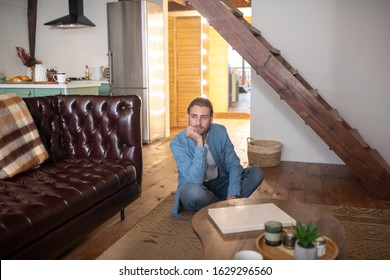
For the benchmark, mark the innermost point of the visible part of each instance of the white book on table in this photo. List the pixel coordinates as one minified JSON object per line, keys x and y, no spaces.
{"x":242,"y":218}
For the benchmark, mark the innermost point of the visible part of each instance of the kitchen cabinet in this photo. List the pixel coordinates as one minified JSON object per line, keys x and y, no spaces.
{"x":83,"y":91}
{"x":22,"y":92}
{"x":104,"y":88}
{"x":48,"y":91}
{"x":32,"y":90}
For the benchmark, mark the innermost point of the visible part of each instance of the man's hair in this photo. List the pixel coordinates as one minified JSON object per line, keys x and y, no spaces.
{"x":203,"y":102}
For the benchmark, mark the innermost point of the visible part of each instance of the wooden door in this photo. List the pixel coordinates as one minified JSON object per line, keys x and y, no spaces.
{"x":185,"y":66}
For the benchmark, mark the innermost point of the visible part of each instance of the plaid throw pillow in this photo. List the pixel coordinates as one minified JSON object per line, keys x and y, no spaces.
{"x":20,"y":145}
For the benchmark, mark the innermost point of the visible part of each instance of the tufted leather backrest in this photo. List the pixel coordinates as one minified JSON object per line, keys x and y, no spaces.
{"x":44,"y":111}
{"x":82,"y":126}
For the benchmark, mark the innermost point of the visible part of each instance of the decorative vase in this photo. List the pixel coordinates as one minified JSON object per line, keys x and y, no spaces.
{"x":302,"y":253}
{"x":39,"y":73}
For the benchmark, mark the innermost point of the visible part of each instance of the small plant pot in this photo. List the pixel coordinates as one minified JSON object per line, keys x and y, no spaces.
{"x":302,"y":253}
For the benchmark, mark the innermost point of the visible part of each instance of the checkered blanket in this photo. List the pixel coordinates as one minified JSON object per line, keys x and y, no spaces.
{"x":20,"y":145}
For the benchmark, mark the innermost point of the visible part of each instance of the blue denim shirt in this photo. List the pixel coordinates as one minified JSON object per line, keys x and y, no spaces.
{"x":191,"y":161}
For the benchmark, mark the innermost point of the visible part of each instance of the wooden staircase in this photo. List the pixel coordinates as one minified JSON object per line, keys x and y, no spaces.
{"x":268,"y":62}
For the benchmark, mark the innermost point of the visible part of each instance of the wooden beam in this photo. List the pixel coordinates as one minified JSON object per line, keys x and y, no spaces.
{"x":32,"y":25}
{"x":180,"y":2}
{"x":177,"y":5}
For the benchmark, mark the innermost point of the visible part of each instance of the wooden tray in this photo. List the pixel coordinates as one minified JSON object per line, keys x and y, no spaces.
{"x":18,"y":82}
{"x":46,"y":83}
{"x":282,"y":253}
{"x":31,"y":82}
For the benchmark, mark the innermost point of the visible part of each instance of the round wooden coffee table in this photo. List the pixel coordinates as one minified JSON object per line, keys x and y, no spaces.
{"x":219,"y":246}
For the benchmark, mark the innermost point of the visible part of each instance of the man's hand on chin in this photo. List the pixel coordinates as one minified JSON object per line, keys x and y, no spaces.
{"x":192,"y":134}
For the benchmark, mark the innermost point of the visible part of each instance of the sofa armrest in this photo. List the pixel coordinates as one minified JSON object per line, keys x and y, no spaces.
{"x":102,"y":127}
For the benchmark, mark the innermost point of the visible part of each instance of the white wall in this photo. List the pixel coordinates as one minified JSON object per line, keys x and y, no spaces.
{"x":68,"y":50}
{"x":342,"y":49}
{"x":13,"y":33}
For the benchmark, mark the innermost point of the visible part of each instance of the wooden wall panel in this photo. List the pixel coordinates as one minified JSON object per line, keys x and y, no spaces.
{"x":188,"y":90}
{"x":172,"y":72}
{"x":218,"y":71}
{"x":187,"y":70}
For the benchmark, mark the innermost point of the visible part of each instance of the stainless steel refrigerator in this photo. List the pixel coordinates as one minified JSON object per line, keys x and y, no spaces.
{"x":136,"y":59}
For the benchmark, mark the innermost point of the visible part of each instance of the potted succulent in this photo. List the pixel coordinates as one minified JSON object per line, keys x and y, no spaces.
{"x":304,"y":246}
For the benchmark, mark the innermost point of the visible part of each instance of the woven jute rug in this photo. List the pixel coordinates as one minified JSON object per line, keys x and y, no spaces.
{"x":158,"y":236}
{"x":368,"y":231}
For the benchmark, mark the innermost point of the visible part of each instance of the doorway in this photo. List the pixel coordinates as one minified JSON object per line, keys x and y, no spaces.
{"x":239,"y":83}
{"x":201,"y":62}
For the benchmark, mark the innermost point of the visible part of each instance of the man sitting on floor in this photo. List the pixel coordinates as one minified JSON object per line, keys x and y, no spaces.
{"x":209,"y":168}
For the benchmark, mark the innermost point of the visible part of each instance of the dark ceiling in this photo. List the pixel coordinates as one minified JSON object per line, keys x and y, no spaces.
{"x":182,"y":5}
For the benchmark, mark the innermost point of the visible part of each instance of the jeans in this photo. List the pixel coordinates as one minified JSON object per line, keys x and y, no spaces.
{"x":195,"y":196}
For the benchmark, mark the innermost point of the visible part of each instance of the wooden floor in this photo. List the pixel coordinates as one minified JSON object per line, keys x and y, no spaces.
{"x":306,"y":182}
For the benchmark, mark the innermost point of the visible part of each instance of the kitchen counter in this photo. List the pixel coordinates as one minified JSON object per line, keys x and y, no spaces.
{"x":52,"y":88}
{"x":73,"y":84}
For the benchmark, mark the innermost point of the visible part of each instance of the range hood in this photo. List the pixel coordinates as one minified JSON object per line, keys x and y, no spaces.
{"x":75,"y":19}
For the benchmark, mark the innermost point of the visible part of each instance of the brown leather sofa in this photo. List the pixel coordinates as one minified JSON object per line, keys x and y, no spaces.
{"x":94,"y":170}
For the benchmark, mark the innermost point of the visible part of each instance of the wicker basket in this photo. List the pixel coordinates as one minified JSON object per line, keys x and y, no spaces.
{"x":264,"y":153}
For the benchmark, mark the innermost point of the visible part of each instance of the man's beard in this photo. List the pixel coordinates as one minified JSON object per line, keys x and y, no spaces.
{"x":201,"y":130}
